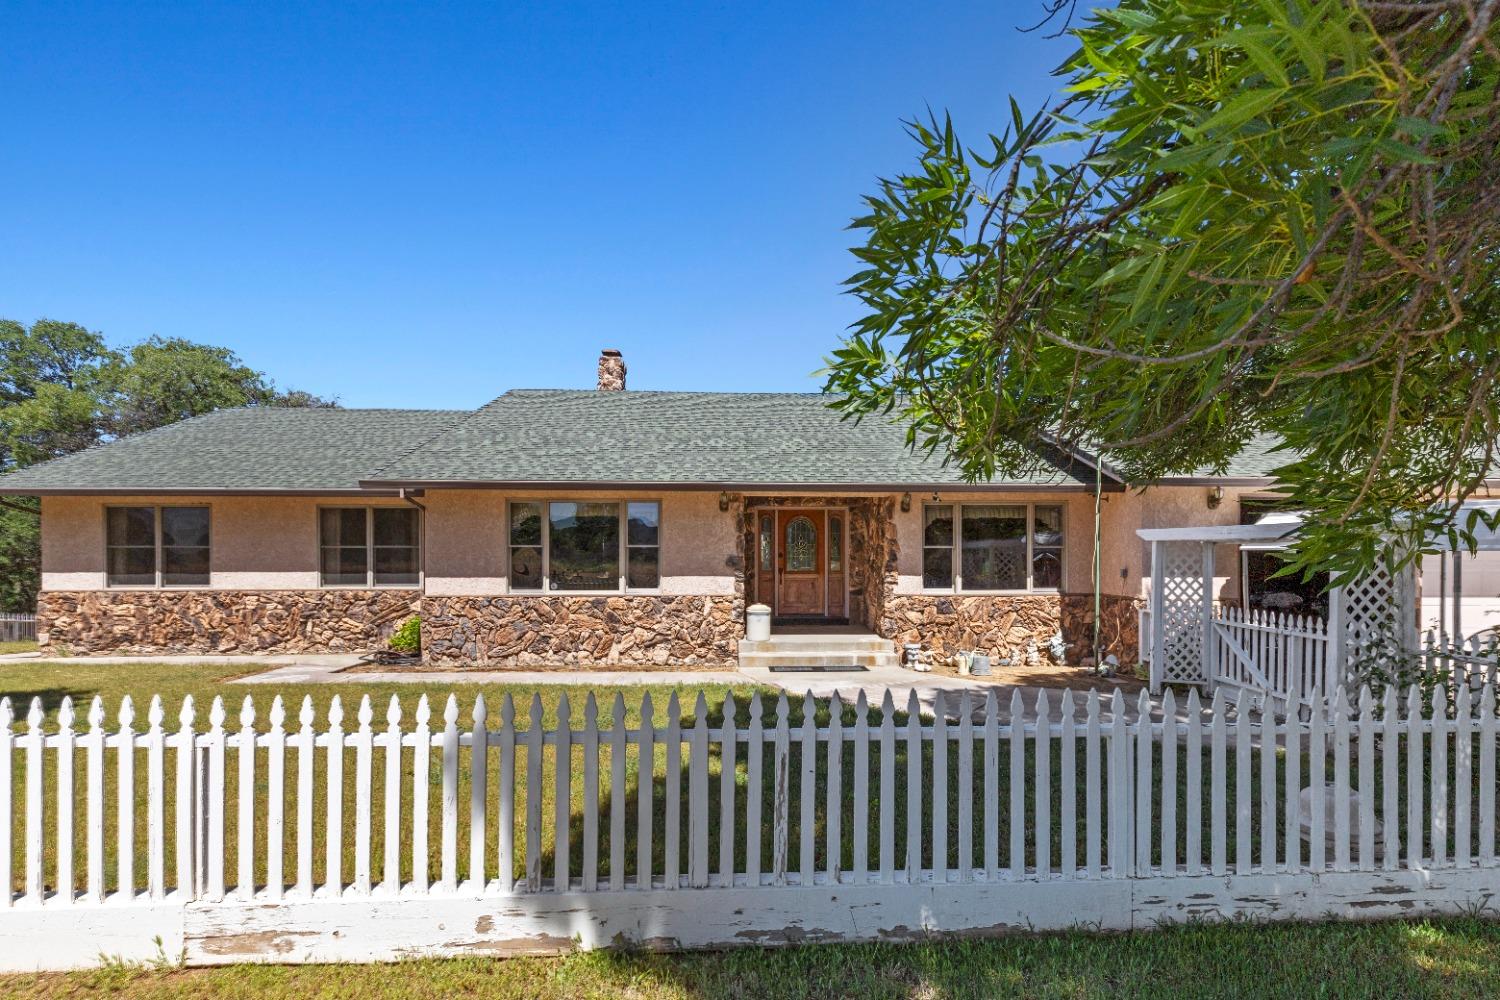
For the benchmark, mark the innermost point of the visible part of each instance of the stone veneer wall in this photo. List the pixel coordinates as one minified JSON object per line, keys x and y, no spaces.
{"x":1002,"y":624}
{"x":551,"y":630}
{"x":872,"y":559}
{"x":220,"y":621}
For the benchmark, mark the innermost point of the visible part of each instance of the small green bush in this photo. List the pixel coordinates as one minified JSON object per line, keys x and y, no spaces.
{"x":408,"y":638}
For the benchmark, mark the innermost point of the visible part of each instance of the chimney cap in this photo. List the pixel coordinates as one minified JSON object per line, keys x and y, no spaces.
{"x":610,"y":352}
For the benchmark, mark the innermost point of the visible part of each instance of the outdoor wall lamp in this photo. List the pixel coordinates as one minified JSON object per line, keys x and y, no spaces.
{"x":905,"y":502}
{"x":935,"y":497}
{"x":723,"y":502}
{"x":1215,"y":496}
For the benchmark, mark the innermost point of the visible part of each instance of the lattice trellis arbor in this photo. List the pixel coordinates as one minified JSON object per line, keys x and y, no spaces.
{"x":1183,"y":602}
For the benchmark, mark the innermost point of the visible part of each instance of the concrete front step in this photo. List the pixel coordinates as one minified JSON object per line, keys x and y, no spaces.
{"x":820,"y":650}
{"x":843,"y":659}
{"x":819,"y":644}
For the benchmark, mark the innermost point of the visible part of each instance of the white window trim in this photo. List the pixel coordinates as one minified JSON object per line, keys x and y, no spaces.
{"x":370,"y":583}
{"x":623,"y":559}
{"x":957,"y":550}
{"x":156,"y":510}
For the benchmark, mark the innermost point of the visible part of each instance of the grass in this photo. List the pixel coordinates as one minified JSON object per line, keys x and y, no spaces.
{"x":1457,"y":958}
{"x":18,"y":646}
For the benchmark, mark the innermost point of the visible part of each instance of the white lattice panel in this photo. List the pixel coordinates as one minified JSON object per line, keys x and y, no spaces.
{"x":1182,"y":613}
{"x":1377,"y":611}
{"x":1369,"y":604}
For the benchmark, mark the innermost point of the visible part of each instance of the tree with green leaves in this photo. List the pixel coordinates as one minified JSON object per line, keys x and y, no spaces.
{"x":1262,"y":217}
{"x":63,"y":389}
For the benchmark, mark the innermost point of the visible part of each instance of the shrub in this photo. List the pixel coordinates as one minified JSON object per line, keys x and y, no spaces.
{"x":408,"y":638}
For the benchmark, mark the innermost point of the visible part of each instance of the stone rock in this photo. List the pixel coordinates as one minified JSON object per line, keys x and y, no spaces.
{"x":221,"y":621}
{"x":552,"y":630}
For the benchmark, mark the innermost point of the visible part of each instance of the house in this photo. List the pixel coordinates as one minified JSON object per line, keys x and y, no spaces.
{"x":607,"y":526}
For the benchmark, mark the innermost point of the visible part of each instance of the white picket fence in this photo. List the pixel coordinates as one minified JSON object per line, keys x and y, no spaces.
{"x":1267,"y":651}
{"x":17,"y":628}
{"x":1471,"y":663}
{"x":1285,"y":655}
{"x":317,"y":843}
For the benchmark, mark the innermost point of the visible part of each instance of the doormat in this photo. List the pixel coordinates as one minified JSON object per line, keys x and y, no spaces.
{"x":849,"y":668}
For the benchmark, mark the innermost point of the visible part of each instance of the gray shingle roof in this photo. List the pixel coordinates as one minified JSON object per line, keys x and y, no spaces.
{"x":533,"y":436}
{"x":257,"y":448}
{"x":720,"y":438}
{"x":1257,"y":460}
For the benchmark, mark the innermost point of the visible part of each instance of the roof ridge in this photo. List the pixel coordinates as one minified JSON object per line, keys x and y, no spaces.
{"x":460,"y":417}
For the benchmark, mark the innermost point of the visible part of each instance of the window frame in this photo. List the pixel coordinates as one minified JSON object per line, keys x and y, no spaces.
{"x":156,"y":547}
{"x":622,"y":560}
{"x":956,"y":549}
{"x":370,"y":583}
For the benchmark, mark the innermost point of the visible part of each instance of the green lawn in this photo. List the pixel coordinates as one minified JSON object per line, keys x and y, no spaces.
{"x":18,"y":646}
{"x":1459,"y":958}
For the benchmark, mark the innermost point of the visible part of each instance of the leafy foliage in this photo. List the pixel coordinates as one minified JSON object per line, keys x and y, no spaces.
{"x":1242,"y":219}
{"x":408,"y":637}
{"x":63,"y":389}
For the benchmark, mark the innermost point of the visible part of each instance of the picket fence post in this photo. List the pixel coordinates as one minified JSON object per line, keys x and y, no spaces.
{"x":7,"y":715}
{"x":64,"y":827}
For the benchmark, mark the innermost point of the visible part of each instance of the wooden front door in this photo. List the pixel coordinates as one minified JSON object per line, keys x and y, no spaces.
{"x":801,"y":586}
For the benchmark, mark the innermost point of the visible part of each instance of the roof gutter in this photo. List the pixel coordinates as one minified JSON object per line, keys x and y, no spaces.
{"x":740,"y":487}
{"x":197,"y":491}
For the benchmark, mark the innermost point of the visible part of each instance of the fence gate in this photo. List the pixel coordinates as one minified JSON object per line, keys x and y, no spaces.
{"x":1194,"y":642}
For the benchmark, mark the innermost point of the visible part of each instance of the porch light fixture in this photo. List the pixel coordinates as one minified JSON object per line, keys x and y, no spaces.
{"x":905,"y":502}
{"x":1215,"y":497}
{"x":723,"y":502}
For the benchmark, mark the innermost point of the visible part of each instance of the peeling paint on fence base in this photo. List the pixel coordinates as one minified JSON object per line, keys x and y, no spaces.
{"x":368,"y":929}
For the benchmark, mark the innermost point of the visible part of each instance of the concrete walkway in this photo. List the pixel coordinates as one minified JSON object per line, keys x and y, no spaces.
{"x":875,"y":682}
{"x":320,"y":661}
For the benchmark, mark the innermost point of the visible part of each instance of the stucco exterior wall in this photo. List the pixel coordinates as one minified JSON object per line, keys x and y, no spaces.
{"x":271,"y":543}
{"x":1078,"y":534}
{"x":468,"y":552}
{"x":256,"y":543}
{"x":1125,"y":559}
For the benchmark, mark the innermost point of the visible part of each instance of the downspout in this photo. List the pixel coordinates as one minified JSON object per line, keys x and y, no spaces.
{"x":422,"y":536}
{"x":1098,"y":574}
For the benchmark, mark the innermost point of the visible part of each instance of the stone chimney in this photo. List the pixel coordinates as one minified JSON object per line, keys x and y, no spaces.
{"x":611,"y":371}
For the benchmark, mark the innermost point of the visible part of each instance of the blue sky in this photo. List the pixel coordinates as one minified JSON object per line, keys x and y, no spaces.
{"x":428,"y":204}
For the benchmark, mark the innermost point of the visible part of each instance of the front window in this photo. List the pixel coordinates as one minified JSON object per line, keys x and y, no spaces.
{"x":992,"y":547}
{"x":583,"y":552}
{"x":588,"y":546}
{"x":369,"y":546}
{"x":157,"y":547}
{"x":643,"y":545}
